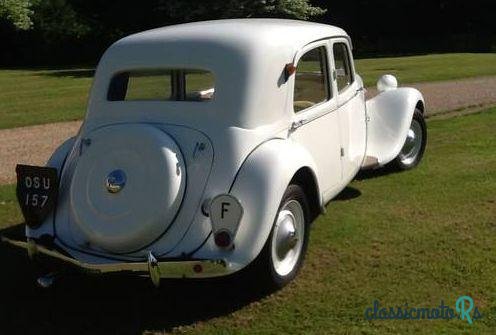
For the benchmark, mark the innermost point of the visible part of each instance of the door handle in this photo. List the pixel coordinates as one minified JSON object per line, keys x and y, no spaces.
{"x":361,"y":89}
{"x":297,"y":124}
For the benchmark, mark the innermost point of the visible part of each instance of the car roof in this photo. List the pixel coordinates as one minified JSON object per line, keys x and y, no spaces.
{"x":293,"y":33}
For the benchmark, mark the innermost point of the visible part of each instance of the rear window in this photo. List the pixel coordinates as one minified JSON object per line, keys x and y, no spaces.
{"x":162,"y":85}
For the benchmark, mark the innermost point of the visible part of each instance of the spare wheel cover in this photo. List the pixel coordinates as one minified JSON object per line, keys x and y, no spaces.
{"x":127,"y":187}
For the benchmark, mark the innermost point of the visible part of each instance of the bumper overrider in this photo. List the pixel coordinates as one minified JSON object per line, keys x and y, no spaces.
{"x":152,"y":268}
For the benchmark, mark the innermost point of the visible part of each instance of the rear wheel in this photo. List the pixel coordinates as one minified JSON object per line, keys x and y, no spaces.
{"x":413,"y":150}
{"x":285,"y":249}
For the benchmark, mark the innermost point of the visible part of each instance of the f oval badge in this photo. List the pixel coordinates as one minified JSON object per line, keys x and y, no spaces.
{"x":225,"y":213}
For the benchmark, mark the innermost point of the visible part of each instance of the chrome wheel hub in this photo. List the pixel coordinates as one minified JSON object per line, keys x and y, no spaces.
{"x":413,"y":144}
{"x":287,"y":238}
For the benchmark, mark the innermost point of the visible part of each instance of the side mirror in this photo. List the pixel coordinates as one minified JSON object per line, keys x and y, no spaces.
{"x":386,"y":83}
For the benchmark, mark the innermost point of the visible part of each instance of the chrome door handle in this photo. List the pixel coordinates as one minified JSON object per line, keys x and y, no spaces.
{"x":297,"y":124}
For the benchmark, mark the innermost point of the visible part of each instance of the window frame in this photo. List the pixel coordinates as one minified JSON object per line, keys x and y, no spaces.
{"x":351,"y":65}
{"x":324,"y":44}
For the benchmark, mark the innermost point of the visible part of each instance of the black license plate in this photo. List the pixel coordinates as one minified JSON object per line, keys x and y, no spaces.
{"x":37,"y":189}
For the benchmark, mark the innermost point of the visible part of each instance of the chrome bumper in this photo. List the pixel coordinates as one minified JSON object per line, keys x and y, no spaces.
{"x":153,"y":268}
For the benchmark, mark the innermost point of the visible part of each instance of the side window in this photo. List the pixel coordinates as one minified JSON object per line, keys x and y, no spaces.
{"x":311,"y":80}
{"x":344,"y":75}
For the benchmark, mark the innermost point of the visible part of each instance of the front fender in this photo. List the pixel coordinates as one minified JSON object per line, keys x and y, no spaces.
{"x":390,"y":115}
{"x":259,"y":186}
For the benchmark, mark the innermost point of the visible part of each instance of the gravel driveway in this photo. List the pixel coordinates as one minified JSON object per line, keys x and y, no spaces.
{"x":447,"y":96}
{"x":33,"y":145}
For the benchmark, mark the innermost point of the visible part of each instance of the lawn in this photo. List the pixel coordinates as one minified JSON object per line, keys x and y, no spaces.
{"x":35,"y":96}
{"x":428,"y":68}
{"x":418,"y":237}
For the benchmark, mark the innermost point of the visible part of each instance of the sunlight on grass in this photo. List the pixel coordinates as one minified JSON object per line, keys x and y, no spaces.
{"x":427,"y":68}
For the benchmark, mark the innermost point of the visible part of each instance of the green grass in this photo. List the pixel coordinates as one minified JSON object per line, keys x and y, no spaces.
{"x":428,"y":68}
{"x":30,"y":97}
{"x":416,"y":237}
{"x":9,"y":210}
{"x":33,"y":96}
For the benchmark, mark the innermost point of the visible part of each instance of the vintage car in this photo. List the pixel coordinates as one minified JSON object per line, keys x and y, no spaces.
{"x":210,"y":147}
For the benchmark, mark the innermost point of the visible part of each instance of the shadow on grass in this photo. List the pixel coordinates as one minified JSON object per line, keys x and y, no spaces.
{"x":76,"y":73}
{"x":348,"y":193}
{"x":374,"y":173}
{"x":84,"y":304}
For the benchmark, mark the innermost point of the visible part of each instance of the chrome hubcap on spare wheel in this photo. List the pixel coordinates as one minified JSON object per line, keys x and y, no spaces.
{"x":287,"y":239}
{"x":413,"y":144}
{"x":115,"y":181}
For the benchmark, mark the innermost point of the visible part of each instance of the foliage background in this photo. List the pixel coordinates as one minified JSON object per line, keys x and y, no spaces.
{"x":46,"y":32}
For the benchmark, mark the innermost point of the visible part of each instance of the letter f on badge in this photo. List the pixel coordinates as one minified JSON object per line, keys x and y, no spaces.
{"x":224,"y":208}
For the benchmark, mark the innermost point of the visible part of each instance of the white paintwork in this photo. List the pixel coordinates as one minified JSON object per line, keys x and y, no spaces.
{"x":320,"y":124}
{"x":390,"y":116}
{"x":259,"y":187}
{"x":387,"y":82}
{"x":124,"y":222}
{"x":246,"y":142}
{"x":352,"y":119}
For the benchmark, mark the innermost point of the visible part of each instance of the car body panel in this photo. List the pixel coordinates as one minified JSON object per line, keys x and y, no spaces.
{"x":390,"y":115}
{"x":254,"y":141}
{"x":259,"y":186}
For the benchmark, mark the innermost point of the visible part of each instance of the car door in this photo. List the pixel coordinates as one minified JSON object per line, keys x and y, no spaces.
{"x":315,"y":119}
{"x":351,"y":108}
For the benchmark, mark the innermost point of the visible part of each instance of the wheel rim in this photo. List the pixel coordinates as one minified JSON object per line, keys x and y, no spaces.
{"x":287,"y":238}
{"x":413,"y":144}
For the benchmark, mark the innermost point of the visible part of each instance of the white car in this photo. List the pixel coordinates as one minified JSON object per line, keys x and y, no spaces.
{"x":211,"y":146}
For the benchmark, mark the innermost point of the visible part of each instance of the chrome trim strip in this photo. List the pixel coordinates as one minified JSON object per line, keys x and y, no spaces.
{"x":303,"y":121}
{"x":152,"y":268}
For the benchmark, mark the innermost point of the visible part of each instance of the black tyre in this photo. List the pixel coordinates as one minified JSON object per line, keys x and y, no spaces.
{"x":285,"y":249}
{"x":413,"y":150}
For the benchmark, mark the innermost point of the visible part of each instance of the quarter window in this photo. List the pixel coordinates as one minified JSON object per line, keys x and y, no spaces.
{"x":162,"y":85}
{"x":311,"y":81}
{"x":344,"y":75}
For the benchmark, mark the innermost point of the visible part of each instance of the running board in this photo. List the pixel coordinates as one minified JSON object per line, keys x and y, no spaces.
{"x":370,"y":162}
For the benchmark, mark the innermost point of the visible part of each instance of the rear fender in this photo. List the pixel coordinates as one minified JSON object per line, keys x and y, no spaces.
{"x":390,"y":115}
{"x":56,"y":161}
{"x":259,"y":187}
{"x":60,"y":154}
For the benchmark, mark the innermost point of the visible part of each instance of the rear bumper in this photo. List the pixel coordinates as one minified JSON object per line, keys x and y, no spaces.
{"x":152,"y":268}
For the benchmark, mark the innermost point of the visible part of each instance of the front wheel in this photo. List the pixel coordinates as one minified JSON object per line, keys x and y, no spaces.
{"x":285,"y":249}
{"x":413,"y":150}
